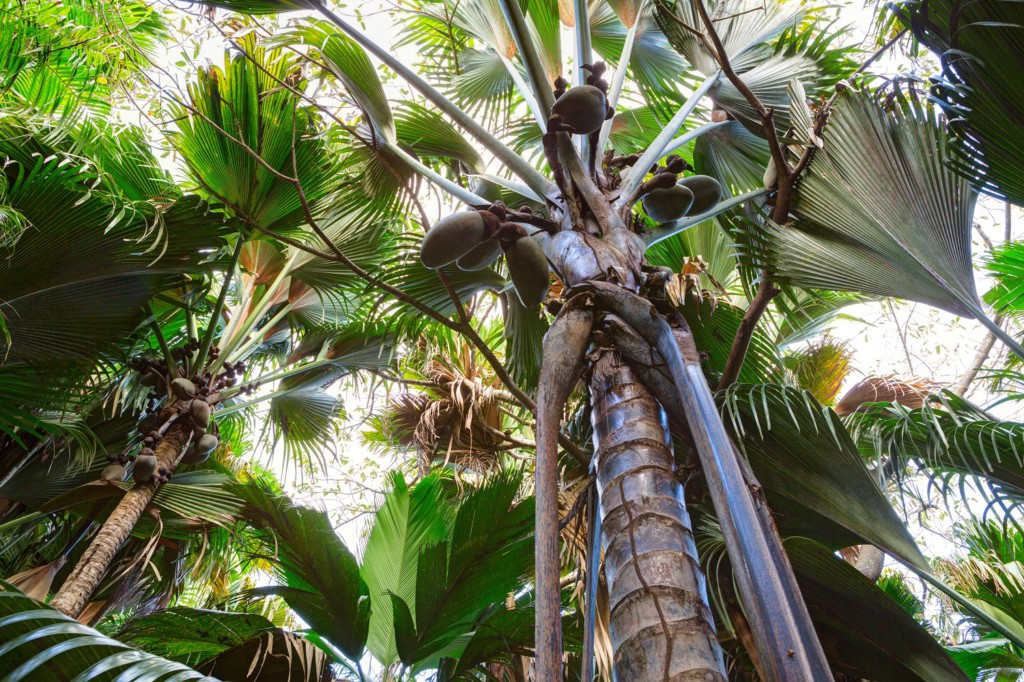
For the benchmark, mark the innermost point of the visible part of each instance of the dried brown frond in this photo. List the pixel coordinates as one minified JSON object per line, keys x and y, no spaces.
{"x":911,"y":393}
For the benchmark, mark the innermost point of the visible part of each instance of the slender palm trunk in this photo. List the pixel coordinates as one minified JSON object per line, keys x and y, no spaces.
{"x":79,"y":586}
{"x":661,"y":624}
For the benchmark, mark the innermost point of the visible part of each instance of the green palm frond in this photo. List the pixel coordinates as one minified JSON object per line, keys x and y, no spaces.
{"x":524,"y":331}
{"x":487,"y":555}
{"x":83,"y":251}
{"x":981,"y":48}
{"x":37,"y":638}
{"x":410,"y":520}
{"x":714,"y":326}
{"x":1006,"y":263}
{"x":734,"y":155}
{"x":263,"y":119}
{"x":319,"y":576}
{"x":807,"y":462}
{"x":865,"y":632}
{"x":191,"y":636}
{"x":949,"y":437}
{"x":879,"y":212}
{"x":654,"y":67}
{"x":55,"y":57}
{"x":349,"y":63}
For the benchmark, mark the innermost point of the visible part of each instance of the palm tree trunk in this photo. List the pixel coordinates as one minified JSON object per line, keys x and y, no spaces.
{"x":661,"y":624}
{"x":79,"y":586}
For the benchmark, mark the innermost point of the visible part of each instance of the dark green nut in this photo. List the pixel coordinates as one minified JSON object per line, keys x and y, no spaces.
{"x":528,"y":267}
{"x":192,"y":456}
{"x":666,"y":205}
{"x":481,"y":256}
{"x":451,"y":238}
{"x":583,"y":107}
{"x":200,"y":410}
{"x":707,"y":192}
{"x":207,"y":443}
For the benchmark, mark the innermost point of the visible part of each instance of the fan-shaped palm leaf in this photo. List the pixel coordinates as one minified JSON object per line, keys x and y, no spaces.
{"x":981,"y":47}
{"x":37,"y":638}
{"x":881,"y":213}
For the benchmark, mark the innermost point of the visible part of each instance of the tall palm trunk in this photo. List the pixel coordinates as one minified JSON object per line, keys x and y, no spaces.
{"x":79,"y":586}
{"x":661,"y":624}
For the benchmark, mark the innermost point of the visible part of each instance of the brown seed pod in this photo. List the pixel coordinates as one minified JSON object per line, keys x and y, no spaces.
{"x":112,"y":472}
{"x":528,"y":267}
{"x":706,"y":192}
{"x":150,"y":423}
{"x":183,"y":388}
{"x":451,"y":238}
{"x":144,"y":468}
{"x":480,"y":256}
{"x":192,"y":456}
{"x":208,"y":443}
{"x":200,"y":410}
{"x":583,"y":107}
{"x":666,"y":205}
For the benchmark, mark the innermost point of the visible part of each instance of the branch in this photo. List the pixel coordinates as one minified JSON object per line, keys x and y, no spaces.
{"x":766,"y":291}
{"x":767,"y":117}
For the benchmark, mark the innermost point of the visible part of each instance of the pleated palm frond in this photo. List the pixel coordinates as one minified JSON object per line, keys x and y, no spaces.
{"x":864,"y":632}
{"x":809,"y":464}
{"x":46,"y":80}
{"x":1006,"y":263}
{"x":990,"y":570}
{"x":318,"y":576}
{"x":40,"y":643}
{"x":733,"y":155}
{"x":84,"y":251}
{"x":981,"y":48}
{"x":768,"y":45}
{"x":524,"y":331}
{"x":880,"y":212}
{"x":952,"y":439}
{"x":240,"y":123}
{"x":714,"y":324}
{"x":448,"y":569}
{"x":805,"y":313}
{"x":655,"y":68}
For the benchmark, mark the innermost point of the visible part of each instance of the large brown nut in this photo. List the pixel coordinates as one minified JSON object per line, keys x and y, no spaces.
{"x":583,"y":107}
{"x":451,"y":238}
{"x":666,"y":205}
{"x":528,"y":267}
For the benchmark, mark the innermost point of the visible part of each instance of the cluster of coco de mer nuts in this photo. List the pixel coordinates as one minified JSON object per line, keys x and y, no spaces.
{"x":474,"y":239}
{"x":189,"y":400}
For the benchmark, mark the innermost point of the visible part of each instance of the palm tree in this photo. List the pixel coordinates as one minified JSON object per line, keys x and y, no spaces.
{"x":438,"y":587}
{"x":315,"y":196}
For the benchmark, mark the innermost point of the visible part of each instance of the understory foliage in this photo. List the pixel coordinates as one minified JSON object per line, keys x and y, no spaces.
{"x":233,"y":194}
